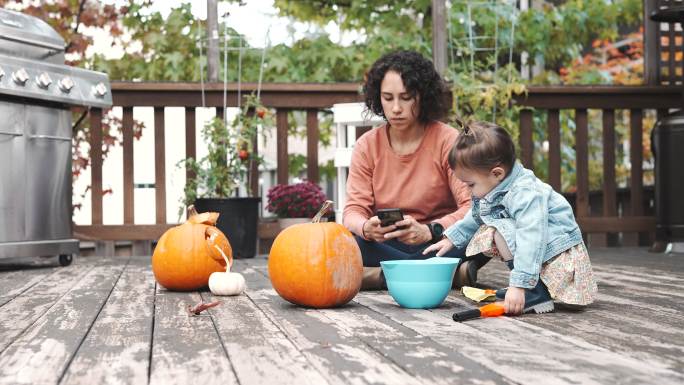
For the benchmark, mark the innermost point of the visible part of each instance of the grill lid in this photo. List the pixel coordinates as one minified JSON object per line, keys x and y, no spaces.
{"x":29,"y":37}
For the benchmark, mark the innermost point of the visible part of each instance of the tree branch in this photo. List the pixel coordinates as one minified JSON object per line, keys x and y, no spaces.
{"x":74,"y":128}
{"x":81,"y":6}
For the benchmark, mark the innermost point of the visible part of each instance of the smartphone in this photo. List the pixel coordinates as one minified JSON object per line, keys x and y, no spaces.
{"x":389,"y":216}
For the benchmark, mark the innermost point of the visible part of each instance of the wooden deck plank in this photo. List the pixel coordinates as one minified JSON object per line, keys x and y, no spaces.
{"x":14,"y":283}
{"x":23,"y":311}
{"x":423,"y":358}
{"x":340,"y":356}
{"x":633,"y":315}
{"x":44,"y":351}
{"x":651,"y":291}
{"x":597,"y":363}
{"x":259,"y":352}
{"x":185,"y":349}
{"x":521,"y":352}
{"x":92,"y":322}
{"x":117,"y":348}
{"x":650,"y":295}
{"x":518,"y":364}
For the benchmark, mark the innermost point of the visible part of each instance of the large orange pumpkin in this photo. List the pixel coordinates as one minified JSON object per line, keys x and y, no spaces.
{"x":186,"y":255}
{"x":316,"y":264}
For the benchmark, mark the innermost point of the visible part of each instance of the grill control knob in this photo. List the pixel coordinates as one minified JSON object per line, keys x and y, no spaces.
{"x":44,"y":80}
{"x":65,"y":84}
{"x":2,"y":73}
{"x":100,"y":90}
{"x":20,"y":76}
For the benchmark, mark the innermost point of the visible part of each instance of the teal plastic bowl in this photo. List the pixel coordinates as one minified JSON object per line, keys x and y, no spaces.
{"x":420,"y":284}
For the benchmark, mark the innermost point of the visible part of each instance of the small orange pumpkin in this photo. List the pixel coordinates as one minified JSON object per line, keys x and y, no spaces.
{"x":316,"y":264}
{"x":187,"y":254}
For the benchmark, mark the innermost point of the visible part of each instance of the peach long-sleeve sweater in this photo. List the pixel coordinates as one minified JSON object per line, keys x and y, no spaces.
{"x":420,"y":183}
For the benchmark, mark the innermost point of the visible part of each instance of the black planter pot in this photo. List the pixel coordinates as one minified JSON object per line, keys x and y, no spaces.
{"x":237,"y":220}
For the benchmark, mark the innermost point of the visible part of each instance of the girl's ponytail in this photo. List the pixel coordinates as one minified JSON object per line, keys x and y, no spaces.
{"x":482,"y":145}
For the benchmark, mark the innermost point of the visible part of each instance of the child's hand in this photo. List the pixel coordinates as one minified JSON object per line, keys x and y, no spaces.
{"x":515,"y":300}
{"x":442,"y":247}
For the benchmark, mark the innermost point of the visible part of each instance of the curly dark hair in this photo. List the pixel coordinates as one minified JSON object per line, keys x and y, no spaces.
{"x":420,"y":79}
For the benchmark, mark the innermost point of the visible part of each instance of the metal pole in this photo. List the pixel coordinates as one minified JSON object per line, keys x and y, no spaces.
{"x":225,"y":71}
{"x":524,"y":56}
{"x":496,"y":55}
{"x":239,"y":91}
{"x":471,"y":44}
{"x":439,"y":35}
{"x":212,"y":37}
{"x":201,"y":70}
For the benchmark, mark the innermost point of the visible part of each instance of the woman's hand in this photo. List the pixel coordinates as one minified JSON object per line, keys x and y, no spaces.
{"x":515,"y":300}
{"x":410,"y":231}
{"x":373,"y":231}
{"x":442,"y":247}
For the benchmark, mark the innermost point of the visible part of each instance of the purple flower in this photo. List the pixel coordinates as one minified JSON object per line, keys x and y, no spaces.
{"x":296,"y":200}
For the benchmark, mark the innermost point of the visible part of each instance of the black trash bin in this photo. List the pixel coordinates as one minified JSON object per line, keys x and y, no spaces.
{"x":667,"y":144}
{"x":238,"y":220}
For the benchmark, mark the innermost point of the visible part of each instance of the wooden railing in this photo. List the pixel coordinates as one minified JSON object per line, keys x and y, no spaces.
{"x":313,"y":97}
{"x":282,"y":97}
{"x":608,"y":99}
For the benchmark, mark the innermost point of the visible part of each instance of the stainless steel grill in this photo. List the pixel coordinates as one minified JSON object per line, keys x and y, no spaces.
{"x":36,"y":93}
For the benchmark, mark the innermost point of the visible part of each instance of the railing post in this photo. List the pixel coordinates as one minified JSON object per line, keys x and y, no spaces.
{"x":582,"y":162}
{"x":96,"y":165}
{"x":609,"y":185}
{"x":254,"y":168}
{"x":636,"y":159}
{"x":128,"y":191}
{"x":312,"y":136}
{"x":553,"y":119}
{"x":281,"y":139}
{"x":159,"y":165}
{"x":526,"y":143}
{"x":190,"y":140}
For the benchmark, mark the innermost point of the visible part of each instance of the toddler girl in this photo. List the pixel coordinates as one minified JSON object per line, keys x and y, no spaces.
{"x":521,"y":220}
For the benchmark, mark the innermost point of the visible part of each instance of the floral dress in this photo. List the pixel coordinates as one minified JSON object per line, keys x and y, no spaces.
{"x":568,"y":275}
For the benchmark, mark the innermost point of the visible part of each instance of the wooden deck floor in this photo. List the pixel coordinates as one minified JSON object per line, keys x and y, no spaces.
{"x":104,"y":321}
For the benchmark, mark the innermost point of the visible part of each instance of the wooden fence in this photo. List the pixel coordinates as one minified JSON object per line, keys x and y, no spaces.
{"x":313,"y":97}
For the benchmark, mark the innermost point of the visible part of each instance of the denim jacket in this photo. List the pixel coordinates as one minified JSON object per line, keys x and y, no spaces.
{"x":536,"y":222}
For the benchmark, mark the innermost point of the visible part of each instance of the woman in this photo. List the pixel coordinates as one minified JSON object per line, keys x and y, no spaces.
{"x":404,"y":164}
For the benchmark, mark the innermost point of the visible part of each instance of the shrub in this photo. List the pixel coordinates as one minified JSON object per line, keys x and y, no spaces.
{"x":300,"y":200}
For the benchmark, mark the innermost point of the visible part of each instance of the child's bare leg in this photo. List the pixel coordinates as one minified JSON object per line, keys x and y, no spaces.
{"x":501,"y":245}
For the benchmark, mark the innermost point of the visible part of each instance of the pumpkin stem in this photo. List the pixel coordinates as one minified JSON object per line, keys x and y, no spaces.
{"x":192,"y":211}
{"x":224,"y":257}
{"x":326,"y":205}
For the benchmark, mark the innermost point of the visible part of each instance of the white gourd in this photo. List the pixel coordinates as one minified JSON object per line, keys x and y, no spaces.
{"x":226,"y":283}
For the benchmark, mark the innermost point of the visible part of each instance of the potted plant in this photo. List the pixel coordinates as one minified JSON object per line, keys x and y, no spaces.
{"x":217,"y":178}
{"x":295,"y":203}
